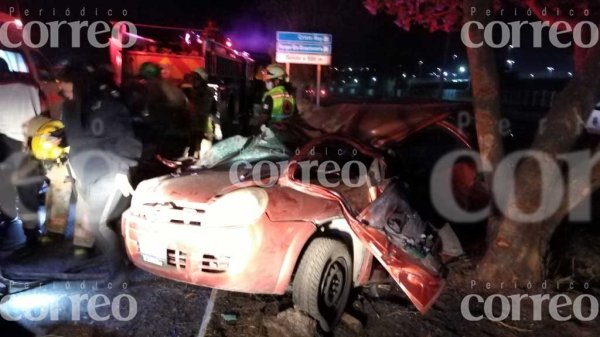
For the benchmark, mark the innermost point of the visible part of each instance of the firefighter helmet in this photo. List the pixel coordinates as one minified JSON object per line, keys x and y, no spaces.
{"x":272,"y":71}
{"x":48,"y":141}
{"x":150,"y":70}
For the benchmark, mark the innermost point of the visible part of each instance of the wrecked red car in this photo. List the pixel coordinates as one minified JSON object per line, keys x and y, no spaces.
{"x":262,"y":230}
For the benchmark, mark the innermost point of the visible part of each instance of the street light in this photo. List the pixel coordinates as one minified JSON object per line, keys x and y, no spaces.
{"x":374,"y":79}
{"x":420,"y":65}
{"x":550,"y":70}
{"x":462,"y":69}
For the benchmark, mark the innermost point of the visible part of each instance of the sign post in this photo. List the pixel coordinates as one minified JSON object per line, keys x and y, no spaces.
{"x":305,"y":48}
{"x":318,"y":86}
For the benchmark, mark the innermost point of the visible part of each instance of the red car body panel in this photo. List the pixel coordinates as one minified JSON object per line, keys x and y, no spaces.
{"x":261,"y":258}
{"x":421,"y":286}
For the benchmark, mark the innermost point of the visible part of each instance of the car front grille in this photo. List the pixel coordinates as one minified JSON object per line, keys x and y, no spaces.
{"x":215,"y":264}
{"x":176,"y":258}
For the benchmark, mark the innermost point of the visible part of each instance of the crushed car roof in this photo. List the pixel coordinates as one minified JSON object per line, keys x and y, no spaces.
{"x":379,"y":124}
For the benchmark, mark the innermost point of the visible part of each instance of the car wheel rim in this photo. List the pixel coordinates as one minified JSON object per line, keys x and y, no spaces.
{"x":333,"y":283}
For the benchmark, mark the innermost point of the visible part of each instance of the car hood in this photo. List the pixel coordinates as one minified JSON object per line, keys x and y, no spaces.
{"x":196,"y":187}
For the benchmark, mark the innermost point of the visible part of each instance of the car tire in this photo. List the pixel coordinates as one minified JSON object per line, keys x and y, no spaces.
{"x":322,"y":282}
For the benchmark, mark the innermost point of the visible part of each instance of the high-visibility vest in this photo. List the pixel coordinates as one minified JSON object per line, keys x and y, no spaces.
{"x":284,"y":104}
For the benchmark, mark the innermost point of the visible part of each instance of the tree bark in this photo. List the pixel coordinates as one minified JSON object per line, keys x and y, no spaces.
{"x":486,"y":99}
{"x":485,"y":88}
{"x":518,"y":250}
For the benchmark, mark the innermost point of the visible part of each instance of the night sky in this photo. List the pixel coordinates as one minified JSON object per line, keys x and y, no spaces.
{"x":360,"y":39}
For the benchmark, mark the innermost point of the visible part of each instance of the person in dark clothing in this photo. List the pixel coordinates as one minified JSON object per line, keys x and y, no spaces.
{"x":103,"y":149}
{"x":167,"y":108}
{"x":205,"y":123}
{"x":20,"y":102}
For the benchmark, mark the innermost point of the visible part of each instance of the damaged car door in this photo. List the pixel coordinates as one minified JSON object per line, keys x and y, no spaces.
{"x":369,"y":204}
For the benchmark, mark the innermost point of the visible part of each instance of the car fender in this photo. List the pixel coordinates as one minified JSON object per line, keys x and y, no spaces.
{"x":361,"y":258}
{"x":303,"y":231}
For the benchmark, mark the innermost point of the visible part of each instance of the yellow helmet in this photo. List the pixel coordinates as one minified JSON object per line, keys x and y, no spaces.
{"x":46,"y":144}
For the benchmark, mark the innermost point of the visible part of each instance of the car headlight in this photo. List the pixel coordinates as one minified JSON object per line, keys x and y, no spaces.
{"x":238,"y":208}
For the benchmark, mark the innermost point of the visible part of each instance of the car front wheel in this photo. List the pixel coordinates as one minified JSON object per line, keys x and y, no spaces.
{"x":322,"y":282}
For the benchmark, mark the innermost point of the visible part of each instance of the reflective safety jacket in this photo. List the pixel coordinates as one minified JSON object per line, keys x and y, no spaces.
{"x":278,"y":103}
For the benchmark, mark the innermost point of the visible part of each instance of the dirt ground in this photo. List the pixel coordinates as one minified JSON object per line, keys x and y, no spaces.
{"x":243,"y":315}
{"x":386,"y":312}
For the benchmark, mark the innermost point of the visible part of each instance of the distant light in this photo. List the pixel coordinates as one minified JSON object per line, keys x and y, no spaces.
{"x":420,"y":62}
{"x":510,"y":46}
{"x":445,"y":73}
{"x":531,"y":75}
{"x":570,"y":74}
{"x":413,"y":76}
{"x":344,"y":81}
{"x":188,"y":38}
{"x":374,"y":79}
{"x":356,"y":80}
{"x":462,"y":69}
{"x":245,"y":54}
{"x":454,"y":74}
{"x":229,"y":43}
{"x":323,"y":92}
{"x":18,"y":23}
{"x":511,"y":62}
{"x":404,"y":75}
{"x":439,"y":70}
{"x":350,"y":69}
{"x":454,"y":56}
{"x":550,"y":69}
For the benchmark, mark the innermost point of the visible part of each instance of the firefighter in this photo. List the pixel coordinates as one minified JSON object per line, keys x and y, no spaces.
{"x":278,"y":103}
{"x":49,"y":146}
{"x":168,"y":109}
{"x":103,"y":149}
{"x":205,"y":121}
{"x":20,"y":103}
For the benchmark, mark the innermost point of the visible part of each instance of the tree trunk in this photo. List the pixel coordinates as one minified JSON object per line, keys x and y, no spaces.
{"x":518,"y":250}
{"x":486,"y":99}
{"x":485,"y":89}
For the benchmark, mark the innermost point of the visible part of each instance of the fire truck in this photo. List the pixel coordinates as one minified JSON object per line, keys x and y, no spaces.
{"x":181,"y":50}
